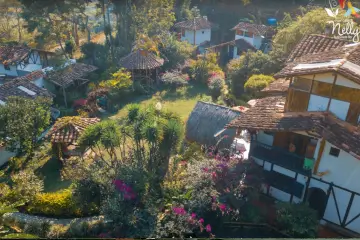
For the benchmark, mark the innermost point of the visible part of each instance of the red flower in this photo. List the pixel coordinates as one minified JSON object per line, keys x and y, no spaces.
{"x":193,"y":215}
{"x":201,"y":220}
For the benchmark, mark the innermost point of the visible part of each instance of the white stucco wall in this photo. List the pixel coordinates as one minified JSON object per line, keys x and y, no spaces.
{"x":201,"y":36}
{"x":344,"y":171}
{"x":41,"y":82}
{"x":329,"y":78}
{"x":11,"y":72}
{"x":256,"y":41}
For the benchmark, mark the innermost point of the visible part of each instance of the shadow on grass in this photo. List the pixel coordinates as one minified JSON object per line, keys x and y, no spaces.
{"x":193,"y":90}
{"x":51,"y":171}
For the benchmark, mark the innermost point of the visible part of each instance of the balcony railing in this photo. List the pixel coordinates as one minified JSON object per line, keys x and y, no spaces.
{"x":280,"y":157}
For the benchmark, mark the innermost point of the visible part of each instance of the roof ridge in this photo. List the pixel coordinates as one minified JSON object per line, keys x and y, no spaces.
{"x":211,"y":103}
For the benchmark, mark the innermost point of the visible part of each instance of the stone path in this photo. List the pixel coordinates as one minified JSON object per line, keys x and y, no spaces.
{"x":31,"y":218}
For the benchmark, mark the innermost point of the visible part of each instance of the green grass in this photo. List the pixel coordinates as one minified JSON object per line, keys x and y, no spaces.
{"x":52,"y":176}
{"x":182,"y":101}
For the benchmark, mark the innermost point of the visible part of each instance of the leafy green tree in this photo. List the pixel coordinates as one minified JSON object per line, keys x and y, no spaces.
{"x":22,"y":121}
{"x":96,"y":54}
{"x":292,"y":31}
{"x":257,"y":82}
{"x":239,"y":70}
{"x":153,"y":17}
{"x":175,"y":51}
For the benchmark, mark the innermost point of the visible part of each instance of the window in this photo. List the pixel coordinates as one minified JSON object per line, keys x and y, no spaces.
{"x":246,"y":34}
{"x":203,"y":32}
{"x":334,"y":152}
{"x":239,"y":32}
{"x":7,"y":67}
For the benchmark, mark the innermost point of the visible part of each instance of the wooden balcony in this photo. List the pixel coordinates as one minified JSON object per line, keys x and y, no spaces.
{"x":280,"y":157}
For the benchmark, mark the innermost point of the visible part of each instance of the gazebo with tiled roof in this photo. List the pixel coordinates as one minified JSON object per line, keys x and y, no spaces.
{"x":67,"y":131}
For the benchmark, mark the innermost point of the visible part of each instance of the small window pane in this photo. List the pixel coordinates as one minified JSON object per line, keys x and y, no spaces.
{"x":301,"y":83}
{"x":246,"y":34}
{"x":334,"y":152}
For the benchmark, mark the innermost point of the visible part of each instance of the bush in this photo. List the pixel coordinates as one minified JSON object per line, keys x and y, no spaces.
{"x":297,"y":220}
{"x":203,"y":67}
{"x":87,"y":195}
{"x":37,"y":228}
{"x":175,"y":79}
{"x":58,"y":204}
{"x":257,"y":82}
{"x":239,"y":70}
{"x":216,"y":86}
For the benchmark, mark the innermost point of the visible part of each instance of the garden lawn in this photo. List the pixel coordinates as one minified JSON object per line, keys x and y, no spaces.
{"x":182,"y":101}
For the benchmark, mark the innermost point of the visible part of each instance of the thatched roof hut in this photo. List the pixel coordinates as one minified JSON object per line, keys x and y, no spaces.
{"x":206,"y":124}
{"x":141,"y":60}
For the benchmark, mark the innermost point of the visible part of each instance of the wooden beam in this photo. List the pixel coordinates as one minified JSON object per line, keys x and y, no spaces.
{"x":320,"y":153}
{"x":331,"y":93}
{"x":64,"y":93}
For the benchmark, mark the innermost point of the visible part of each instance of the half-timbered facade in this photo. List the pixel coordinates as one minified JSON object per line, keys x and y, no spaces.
{"x":308,"y":141}
{"x":20,"y":60}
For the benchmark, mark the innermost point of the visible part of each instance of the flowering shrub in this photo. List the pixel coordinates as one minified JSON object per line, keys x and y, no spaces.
{"x":179,"y":223}
{"x":130,"y":203}
{"x":202,"y":68}
{"x":216,"y":85}
{"x":216,"y":184}
{"x":175,"y":79}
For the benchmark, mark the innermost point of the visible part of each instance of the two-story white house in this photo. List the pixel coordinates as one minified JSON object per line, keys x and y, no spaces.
{"x":308,"y":142}
{"x":195,"y":31}
{"x":18,"y":61}
{"x":255,"y":34}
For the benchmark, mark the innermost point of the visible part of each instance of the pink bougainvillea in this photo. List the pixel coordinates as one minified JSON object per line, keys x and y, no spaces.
{"x":179,"y":210}
{"x":208,"y":228}
{"x":126,"y":190}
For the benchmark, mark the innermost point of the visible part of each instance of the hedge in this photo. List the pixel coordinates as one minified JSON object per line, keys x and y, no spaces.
{"x":58,"y":204}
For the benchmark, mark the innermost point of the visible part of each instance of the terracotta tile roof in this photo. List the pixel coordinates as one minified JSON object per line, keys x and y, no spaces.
{"x":140,"y":59}
{"x":280,"y":85}
{"x":254,"y":28}
{"x":315,"y":44}
{"x":69,"y":129}
{"x":195,"y":24}
{"x":13,"y":54}
{"x":33,"y":75}
{"x":344,"y":60}
{"x":11,"y":88}
{"x":268,"y":115}
{"x":67,"y":76}
{"x":241,"y":44}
